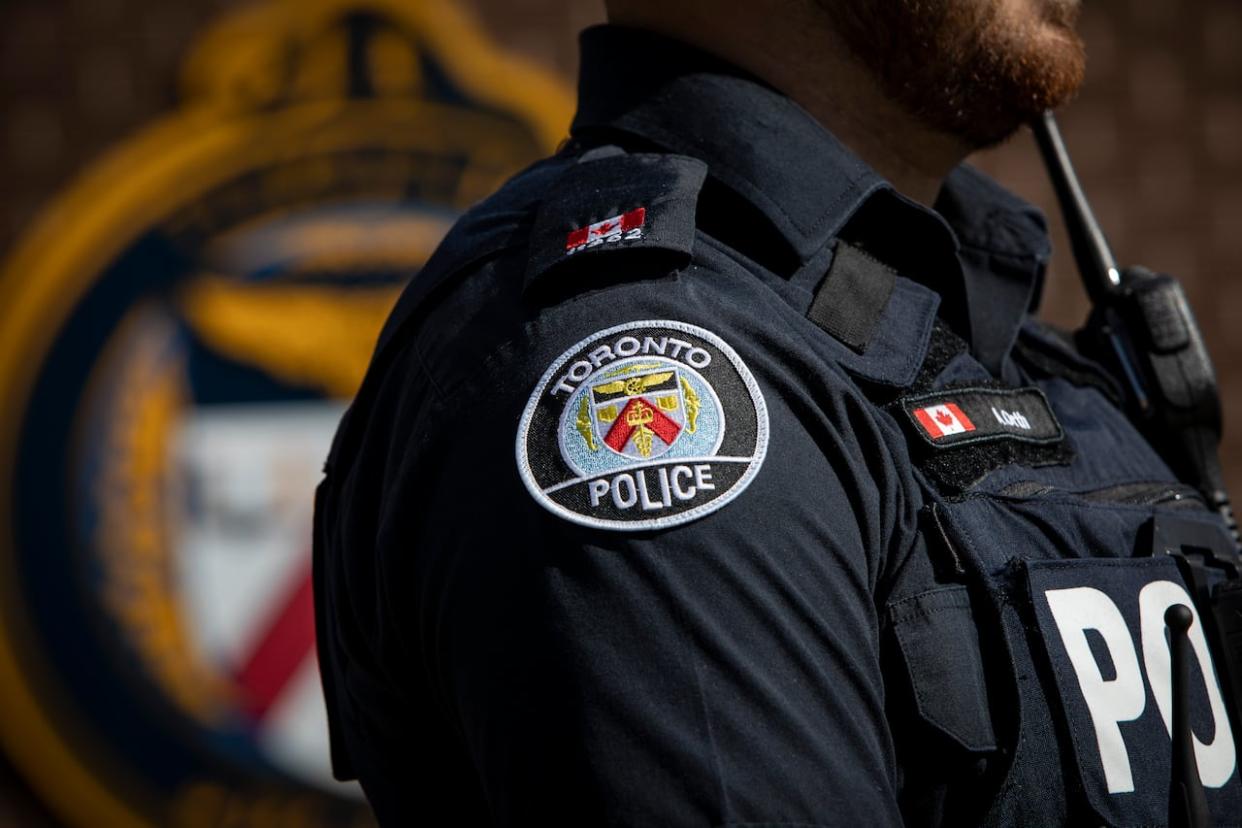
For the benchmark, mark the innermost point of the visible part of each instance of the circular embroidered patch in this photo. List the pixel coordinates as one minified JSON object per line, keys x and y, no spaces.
{"x":643,"y":426}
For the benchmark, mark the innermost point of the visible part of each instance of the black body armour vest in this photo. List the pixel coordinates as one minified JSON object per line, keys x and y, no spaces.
{"x":1045,"y":659}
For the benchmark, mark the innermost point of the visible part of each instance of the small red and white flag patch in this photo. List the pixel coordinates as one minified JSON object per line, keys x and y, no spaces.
{"x":942,"y":420}
{"x":625,"y":227}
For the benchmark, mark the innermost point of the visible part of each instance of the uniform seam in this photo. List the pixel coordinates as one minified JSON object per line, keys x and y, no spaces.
{"x":744,"y":263}
{"x":711,"y":736}
{"x":437,"y":390}
{"x":689,"y":641}
{"x":895,"y":608}
{"x":1010,"y":255}
{"x":1068,"y":499}
{"x":502,"y":349}
{"x":853,"y":189}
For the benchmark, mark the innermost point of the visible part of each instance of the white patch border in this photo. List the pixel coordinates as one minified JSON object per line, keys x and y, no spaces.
{"x":756,"y":459}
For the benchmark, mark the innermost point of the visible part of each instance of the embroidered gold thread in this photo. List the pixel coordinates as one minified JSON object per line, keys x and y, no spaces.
{"x":583,"y":424}
{"x":633,"y":386}
{"x":631,"y":369}
{"x":692,"y":407}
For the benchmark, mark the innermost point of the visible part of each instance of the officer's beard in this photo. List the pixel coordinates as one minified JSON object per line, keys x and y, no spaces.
{"x":976,"y":69}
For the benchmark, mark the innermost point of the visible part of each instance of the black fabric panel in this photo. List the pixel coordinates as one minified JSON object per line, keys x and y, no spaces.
{"x":939,"y":641}
{"x":1046,"y":360}
{"x":944,"y":346}
{"x":956,"y":470}
{"x":853,"y":296}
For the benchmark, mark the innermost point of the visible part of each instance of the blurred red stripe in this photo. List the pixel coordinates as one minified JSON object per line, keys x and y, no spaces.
{"x":288,"y":641}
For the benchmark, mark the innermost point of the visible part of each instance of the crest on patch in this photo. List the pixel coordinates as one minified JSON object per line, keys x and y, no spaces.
{"x":643,"y":426}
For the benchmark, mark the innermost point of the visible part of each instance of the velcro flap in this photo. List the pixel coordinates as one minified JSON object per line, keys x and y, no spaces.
{"x":939,"y":641}
{"x":851,"y":300}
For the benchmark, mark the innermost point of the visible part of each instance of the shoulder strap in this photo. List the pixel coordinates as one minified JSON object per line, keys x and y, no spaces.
{"x":611,"y":201}
{"x":1045,"y":351}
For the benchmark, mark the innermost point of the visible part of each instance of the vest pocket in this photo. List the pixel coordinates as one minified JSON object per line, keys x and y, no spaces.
{"x":938,"y":638}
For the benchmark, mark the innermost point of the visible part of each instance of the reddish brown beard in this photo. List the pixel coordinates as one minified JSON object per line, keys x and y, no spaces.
{"x":961,"y":66}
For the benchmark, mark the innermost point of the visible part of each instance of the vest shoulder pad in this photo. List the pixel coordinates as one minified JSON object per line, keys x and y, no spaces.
{"x":1050,"y":352}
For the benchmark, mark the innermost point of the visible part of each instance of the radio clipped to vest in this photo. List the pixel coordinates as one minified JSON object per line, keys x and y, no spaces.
{"x":1142,"y":328}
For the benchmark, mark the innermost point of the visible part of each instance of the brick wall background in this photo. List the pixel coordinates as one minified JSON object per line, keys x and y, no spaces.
{"x":1156,"y":135}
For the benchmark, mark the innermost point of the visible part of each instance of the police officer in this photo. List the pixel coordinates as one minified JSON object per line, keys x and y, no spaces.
{"x":715,"y":472}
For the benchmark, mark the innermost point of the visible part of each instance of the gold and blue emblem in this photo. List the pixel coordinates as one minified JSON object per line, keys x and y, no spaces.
{"x":643,"y":426}
{"x":640,"y":410}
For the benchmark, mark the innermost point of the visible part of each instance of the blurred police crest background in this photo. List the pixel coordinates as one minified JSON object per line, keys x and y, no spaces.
{"x":208,"y":209}
{"x":185,"y":325}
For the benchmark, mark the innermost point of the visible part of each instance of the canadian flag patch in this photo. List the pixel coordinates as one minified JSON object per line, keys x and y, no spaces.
{"x":940,"y":421}
{"x":956,"y":416}
{"x":625,"y":227}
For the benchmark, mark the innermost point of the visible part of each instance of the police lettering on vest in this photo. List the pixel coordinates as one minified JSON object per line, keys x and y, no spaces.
{"x":1104,"y":629}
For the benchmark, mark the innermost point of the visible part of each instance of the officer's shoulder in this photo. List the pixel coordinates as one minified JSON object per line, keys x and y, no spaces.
{"x":565,"y":231}
{"x":571,"y":214}
{"x":602,"y":321}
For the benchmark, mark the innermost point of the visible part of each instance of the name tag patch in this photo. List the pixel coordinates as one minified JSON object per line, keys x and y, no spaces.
{"x":974,"y":415}
{"x":642,"y":426}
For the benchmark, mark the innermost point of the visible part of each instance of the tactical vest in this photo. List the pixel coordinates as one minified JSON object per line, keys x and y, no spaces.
{"x":1045,"y":657}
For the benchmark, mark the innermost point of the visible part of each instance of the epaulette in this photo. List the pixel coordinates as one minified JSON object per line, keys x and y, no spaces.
{"x":1048,"y":352}
{"x":611,"y":201}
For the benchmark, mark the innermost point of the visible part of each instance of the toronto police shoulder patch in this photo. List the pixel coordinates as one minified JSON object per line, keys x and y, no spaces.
{"x":643,"y":426}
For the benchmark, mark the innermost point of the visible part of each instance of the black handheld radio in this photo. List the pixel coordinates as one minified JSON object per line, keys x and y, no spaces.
{"x":1142,"y":326}
{"x":1142,"y":329}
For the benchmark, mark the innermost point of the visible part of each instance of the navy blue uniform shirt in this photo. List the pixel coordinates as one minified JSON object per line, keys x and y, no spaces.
{"x":702,"y":479}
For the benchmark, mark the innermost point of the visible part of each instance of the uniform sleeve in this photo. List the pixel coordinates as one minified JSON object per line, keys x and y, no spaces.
{"x":721,"y":671}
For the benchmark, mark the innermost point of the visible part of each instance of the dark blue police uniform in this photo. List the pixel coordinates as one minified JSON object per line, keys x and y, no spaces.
{"x":702,"y":479}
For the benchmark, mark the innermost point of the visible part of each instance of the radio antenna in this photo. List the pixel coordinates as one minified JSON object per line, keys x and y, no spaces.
{"x":1101,"y":275}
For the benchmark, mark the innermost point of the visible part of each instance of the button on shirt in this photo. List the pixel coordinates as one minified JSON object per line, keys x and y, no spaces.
{"x":487,"y":658}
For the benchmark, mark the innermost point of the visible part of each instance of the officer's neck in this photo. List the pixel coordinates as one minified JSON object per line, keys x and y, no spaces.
{"x":795,"y":51}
